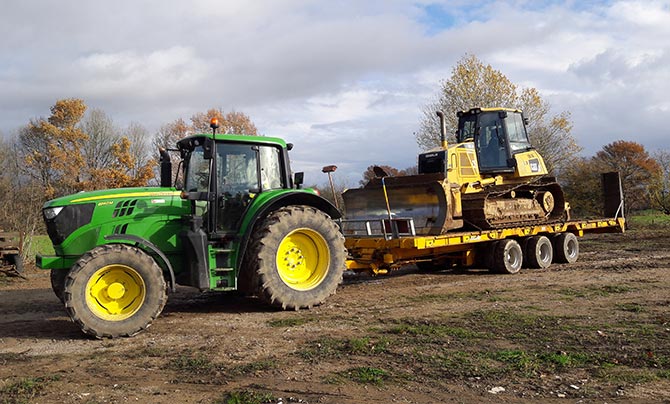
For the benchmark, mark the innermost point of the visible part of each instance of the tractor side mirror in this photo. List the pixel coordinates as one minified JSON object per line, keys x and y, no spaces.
{"x":298,"y":179}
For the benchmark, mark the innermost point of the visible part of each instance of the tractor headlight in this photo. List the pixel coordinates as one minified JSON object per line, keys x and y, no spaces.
{"x":50,"y":213}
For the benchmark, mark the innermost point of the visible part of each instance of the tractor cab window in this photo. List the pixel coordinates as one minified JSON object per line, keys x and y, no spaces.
{"x":516,"y":132}
{"x":197,"y":171}
{"x":271,"y":168}
{"x":244,"y":170}
{"x":491,"y":144}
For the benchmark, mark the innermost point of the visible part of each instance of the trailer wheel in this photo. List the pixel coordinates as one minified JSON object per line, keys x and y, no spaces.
{"x":538,"y":252}
{"x":58,"y":283}
{"x":566,"y":248}
{"x":297,"y":256}
{"x":114,"y":290}
{"x":507,"y":257}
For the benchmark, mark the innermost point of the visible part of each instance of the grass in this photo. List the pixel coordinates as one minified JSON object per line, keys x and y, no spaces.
{"x":648,"y":218}
{"x":246,"y":397}
{"x":255,"y":367}
{"x":289,"y":322}
{"x":334,"y":348}
{"x":591,"y":291}
{"x":39,"y":244}
{"x":366,"y":375}
{"x":432,"y":330}
{"x":25,"y":390}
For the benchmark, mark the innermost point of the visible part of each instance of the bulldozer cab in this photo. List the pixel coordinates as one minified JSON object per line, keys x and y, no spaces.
{"x":497,"y":134}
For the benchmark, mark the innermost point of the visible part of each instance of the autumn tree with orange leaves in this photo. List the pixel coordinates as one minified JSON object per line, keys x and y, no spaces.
{"x":635,"y":166}
{"x":55,"y":155}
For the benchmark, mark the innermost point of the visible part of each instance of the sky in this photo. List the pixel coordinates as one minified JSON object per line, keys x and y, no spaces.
{"x":345,"y":81}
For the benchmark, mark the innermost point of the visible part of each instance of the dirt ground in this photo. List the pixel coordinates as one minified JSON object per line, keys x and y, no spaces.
{"x":594,"y":331}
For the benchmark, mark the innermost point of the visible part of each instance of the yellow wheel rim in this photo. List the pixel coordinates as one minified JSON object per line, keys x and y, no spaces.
{"x":115,"y":292}
{"x":303,"y":259}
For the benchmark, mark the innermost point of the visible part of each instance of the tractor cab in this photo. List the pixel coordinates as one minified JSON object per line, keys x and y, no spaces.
{"x":223,"y":176}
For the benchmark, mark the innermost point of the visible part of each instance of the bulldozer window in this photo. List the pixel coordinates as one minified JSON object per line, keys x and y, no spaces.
{"x":491,"y":144}
{"x":466,"y":128}
{"x":516,"y":131}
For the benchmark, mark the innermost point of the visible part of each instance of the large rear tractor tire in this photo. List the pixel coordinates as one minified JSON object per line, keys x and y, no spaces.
{"x":507,"y":257}
{"x":297,"y":257}
{"x":58,"y":283}
{"x":114,"y":290}
{"x":538,"y":252}
{"x":566,"y":248}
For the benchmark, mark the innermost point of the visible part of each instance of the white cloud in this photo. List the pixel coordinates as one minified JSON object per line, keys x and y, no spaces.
{"x":343,"y":80}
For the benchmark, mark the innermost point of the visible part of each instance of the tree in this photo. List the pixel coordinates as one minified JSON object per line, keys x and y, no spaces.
{"x":636,"y":168}
{"x":582,"y":187}
{"x":369,"y":173}
{"x":169,"y":134}
{"x":125,"y":170}
{"x":660,"y":184}
{"x":53,"y":148}
{"x":139,"y":151}
{"x":474,"y":84}
{"x":102,"y":134}
{"x":630,"y":159}
{"x":64,"y":158}
{"x":232,"y":122}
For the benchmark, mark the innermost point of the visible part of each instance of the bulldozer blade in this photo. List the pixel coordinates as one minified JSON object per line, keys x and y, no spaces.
{"x":420,"y":198}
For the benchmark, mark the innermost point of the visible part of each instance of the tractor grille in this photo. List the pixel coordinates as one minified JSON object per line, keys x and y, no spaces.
{"x":124,"y":208}
{"x":68,"y":220}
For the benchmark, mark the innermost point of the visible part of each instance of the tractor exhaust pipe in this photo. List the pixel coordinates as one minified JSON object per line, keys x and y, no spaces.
{"x":166,"y":168}
{"x":443,"y":130}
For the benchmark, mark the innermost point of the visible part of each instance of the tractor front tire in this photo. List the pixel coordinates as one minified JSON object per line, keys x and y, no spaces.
{"x":297,"y":257}
{"x":114,"y":290}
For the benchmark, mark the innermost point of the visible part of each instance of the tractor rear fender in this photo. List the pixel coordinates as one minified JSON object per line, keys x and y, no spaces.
{"x":285,"y":199}
{"x":148,"y":247}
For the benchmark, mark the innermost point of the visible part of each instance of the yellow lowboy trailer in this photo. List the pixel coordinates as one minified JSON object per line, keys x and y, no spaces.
{"x":504,"y":250}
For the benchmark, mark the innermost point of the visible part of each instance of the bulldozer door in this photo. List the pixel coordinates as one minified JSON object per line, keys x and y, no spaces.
{"x":492,"y":145}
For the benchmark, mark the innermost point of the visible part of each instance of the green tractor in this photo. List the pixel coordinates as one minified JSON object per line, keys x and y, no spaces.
{"x":240,"y":221}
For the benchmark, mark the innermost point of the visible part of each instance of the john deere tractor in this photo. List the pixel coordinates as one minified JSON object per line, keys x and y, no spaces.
{"x":240,"y":221}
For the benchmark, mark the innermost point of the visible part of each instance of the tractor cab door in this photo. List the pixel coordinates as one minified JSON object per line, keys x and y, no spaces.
{"x":491,"y":144}
{"x":223,"y":178}
{"x":242,"y":171}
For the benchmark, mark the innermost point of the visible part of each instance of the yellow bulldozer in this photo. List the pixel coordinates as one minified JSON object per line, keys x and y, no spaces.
{"x":491,"y":178}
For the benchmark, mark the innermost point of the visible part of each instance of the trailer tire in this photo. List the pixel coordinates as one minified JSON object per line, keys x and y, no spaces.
{"x":538,"y":252}
{"x":114,"y":290}
{"x":507,"y":257}
{"x":297,"y":256}
{"x":566,"y":248}
{"x":58,"y":283}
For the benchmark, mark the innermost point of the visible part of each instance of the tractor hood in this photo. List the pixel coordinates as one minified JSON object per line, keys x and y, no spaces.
{"x":104,"y":195}
{"x":76,"y":223}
